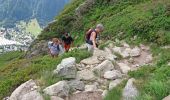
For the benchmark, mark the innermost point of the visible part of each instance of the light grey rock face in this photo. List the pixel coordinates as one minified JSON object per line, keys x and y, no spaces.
{"x":114,"y":83}
{"x":111,"y":75}
{"x":135,"y":52}
{"x":67,"y":68}
{"x":167,"y":98}
{"x":85,"y":75}
{"x":124,"y":68}
{"x":90,"y":87}
{"x":130,"y":92}
{"x":76,"y":85}
{"x":60,"y":89}
{"x":26,"y":91}
{"x":56,"y":98}
{"x":103,"y":67}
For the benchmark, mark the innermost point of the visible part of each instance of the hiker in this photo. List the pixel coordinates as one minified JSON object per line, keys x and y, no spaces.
{"x":54,"y":47}
{"x":67,"y":41}
{"x":91,"y":37}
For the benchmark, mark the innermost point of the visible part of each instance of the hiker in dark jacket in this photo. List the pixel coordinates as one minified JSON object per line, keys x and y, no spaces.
{"x":67,"y":41}
{"x":91,"y":37}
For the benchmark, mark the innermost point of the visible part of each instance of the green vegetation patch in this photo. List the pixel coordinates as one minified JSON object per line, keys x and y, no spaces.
{"x":21,"y":70}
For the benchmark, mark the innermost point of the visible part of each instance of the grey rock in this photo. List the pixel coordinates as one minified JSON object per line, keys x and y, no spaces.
{"x":86,"y":75}
{"x":67,"y":68}
{"x":130,"y":92}
{"x":103,"y":67}
{"x":124,"y":68}
{"x":114,"y":83}
{"x":91,"y":61}
{"x":76,"y":85}
{"x":56,"y":98}
{"x":167,"y":98}
{"x":111,"y":75}
{"x":135,"y":52}
{"x":90,"y":87}
{"x":60,"y":89}
{"x":26,"y":91}
{"x":91,"y":95}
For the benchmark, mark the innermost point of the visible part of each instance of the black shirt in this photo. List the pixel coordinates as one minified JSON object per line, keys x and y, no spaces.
{"x":68,"y":40}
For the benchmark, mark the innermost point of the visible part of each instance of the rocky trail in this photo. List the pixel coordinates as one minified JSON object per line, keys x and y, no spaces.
{"x":93,"y":77}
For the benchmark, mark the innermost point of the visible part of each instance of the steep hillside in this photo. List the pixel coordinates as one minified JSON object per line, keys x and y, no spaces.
{"x":131,"y":21}
{"x":146,"y":19}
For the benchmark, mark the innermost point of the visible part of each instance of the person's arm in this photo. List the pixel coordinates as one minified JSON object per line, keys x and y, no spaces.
{"x":94,"y":39}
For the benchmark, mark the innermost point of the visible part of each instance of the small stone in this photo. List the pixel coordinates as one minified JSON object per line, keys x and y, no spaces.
{"x":90,"y":61}
{"x":90,"y":88}
{"x":76,"y":85}
{"x":86,"y":75}
{"x":103,"y":67}
{"x":124,"y":68}
{"x":112,"y":75}
{"x":148,"y":59}
{"x":135,"y":52}
{"x":60,"y":89}
{"x":56,"y":98}
{"x":126,"y":45}
{"x":104,"y":94}
{"x":114,"y":83}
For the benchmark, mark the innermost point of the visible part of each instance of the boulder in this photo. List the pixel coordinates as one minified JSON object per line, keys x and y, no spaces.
{"x":67,"y":68}
{"x":60,"y":89}
{"x":111,"y":75}
{"x":130,"y":92}
{"x":26,"y":91}
{"x":167,"y":98}
{"x":90,"y":87}
{"x":103,"y":67}
{"x":76,"y":85}
{"x":86,"y":75}
{"x":135,"y":52}
{"x":124,"y":68}
{"x":114,"y":83}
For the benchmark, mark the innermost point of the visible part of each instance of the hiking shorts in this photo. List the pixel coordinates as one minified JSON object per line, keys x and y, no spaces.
{"x":67,"y":46}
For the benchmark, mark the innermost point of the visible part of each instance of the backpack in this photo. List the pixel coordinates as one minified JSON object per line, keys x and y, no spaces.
{"x":88,"y":34}
{"x":58,"y":47}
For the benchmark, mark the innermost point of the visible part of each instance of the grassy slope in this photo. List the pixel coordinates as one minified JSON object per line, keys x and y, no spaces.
{"x":8,"y":57}
{"x":21,"y":70}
